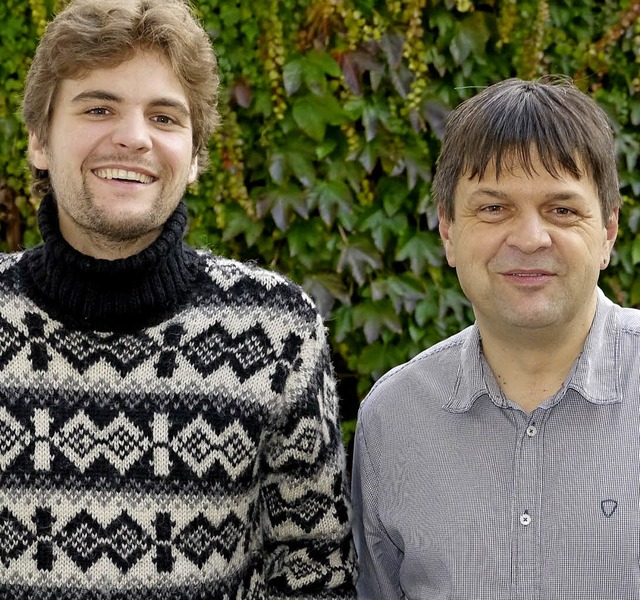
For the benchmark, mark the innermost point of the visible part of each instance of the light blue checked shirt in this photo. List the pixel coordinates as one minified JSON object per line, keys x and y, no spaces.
{"x":460,"y":494}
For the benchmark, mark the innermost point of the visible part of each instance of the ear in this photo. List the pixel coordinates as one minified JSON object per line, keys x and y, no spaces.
{"x":444,"y":226}
{"x":611,"y":230}
{"x":37,"y":153}
{"x":193,"y":170}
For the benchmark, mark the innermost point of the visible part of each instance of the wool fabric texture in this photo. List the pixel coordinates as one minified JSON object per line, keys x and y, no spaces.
{"x":168,"y":429}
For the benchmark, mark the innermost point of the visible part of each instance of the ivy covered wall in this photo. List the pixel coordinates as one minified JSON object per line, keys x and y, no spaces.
{"x":332,"y":116}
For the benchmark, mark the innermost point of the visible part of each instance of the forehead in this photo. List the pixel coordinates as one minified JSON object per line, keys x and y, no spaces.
{"x":520,"y":179}
{"x":145,"y":77}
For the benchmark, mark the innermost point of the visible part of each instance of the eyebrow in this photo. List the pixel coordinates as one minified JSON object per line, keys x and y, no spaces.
{"x":560,"y":195}
{"x":489,"y":192}
{"x":104,"y":96}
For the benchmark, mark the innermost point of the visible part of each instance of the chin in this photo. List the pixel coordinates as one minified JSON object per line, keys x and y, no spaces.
{"x":128,"y":227}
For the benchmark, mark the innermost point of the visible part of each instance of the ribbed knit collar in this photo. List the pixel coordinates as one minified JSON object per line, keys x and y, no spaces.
{"x":109,"y":295}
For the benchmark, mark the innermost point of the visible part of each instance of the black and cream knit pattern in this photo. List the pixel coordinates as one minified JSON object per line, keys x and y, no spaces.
{"x":168,"y":430}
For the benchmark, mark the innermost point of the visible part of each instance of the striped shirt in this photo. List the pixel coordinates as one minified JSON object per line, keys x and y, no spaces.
{"x":460,"y":494}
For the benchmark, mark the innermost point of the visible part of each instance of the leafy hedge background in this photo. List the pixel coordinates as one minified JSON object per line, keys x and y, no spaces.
{"x":332,"y":116}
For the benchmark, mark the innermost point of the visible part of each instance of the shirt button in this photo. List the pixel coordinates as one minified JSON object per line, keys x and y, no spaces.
{"x":532,"y":430}
{"x":525,"y":519}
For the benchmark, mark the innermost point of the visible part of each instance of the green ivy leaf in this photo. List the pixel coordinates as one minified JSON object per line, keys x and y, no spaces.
{"x":309,"y":119}
{"x":369,"y":155}
{"x":282,"y":203}
{"x":313,"y":113}
{"x":383,"y":227}
{"x":238,"y":222}
{"x":378,"y":358}
{"x":354,"y":108}
{"x":370,"y":122}
{"x":324,"y":62}
{"x":325,"y":289}
{"x":315,"y":78}
{"x":635,"y":111}
{"x":342,"y":323}
{"x":417,"y":166}
{"x":278,"y":167}
{"x":635,"y":250}
{"x":325,"y":148}
{"x":292,"y":76}
{"x":426,"y":310}
{"x":374,"y":317}
{"x":360,"y":259}
{"x":331,"y":197}
{"x":471,"y":37}
{"x":405,"y":291}
{"x":453,"y":300}
{"x":302,"y":167}
{"x":421,"y":248}
{"x":393,"y":194}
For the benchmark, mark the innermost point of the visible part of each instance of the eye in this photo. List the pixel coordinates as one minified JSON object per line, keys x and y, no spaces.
{"x":563,"y":211}
{"x":98,"y":110}
{"x":164,"y":120}
{"x":564,"y":214}
{"x":491,"y":212}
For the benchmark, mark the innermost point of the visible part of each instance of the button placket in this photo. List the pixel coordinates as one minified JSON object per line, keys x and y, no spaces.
{"x":528,"y":482}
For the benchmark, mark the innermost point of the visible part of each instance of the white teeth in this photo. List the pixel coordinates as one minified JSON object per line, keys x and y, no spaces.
{"x":123,"y":174}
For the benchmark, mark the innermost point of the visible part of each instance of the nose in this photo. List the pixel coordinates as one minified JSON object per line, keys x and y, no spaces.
{"x":529,"y":233}
{"x":132,"y":132}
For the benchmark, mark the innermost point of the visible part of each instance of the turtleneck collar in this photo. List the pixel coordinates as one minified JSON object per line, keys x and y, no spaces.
{"x":109,"y":295}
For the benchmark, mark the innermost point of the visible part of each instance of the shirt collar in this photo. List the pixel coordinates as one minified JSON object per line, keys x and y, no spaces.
{"x":594,"y":376}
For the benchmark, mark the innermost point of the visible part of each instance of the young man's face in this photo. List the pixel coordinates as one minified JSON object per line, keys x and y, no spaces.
{"x":119,"y":155}
{"x":528,"y":250}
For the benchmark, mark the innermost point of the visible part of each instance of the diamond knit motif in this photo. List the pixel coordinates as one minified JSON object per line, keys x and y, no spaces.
{"x":125,"y":542}
{"x":200,"y":447}
{"x":246,"y":353}
{"x":86,"y":349}
{"x":14,"y":438}
{"x":12,"y":341}
{"x":15,"y":538}
{"x":200,"y":539}
{"x":85,"y":540}
{"x":121,"y":442}
{"x":307,"y":511}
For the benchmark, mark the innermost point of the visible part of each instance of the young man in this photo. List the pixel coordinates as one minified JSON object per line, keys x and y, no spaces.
{"x":503,"y":463}
{"x":168,"y":417}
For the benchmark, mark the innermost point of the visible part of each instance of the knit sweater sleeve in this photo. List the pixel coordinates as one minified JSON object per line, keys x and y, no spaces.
{"x":305,"y":505}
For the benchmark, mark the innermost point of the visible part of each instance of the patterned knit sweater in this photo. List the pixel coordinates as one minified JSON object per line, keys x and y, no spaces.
{"x":168,"y":429}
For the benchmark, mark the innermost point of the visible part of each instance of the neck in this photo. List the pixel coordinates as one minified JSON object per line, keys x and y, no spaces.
{"x":531,"y":366}
{"x":122,"y":294}
{"x":98,"y":246}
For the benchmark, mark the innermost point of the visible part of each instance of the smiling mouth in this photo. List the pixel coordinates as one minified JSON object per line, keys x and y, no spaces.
{"x":124,"y":175}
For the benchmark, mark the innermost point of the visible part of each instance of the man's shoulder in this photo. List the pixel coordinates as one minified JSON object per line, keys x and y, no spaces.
{"x":628,"y":320}
{"x":430,"y":374}
{"x":253,"y":285}
{"x":614,"y":321}
{"x":9,"y":259}
{"x":222,"y":268}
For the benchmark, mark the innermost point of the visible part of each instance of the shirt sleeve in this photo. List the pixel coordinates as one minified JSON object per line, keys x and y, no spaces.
{"x":306,"y":511}
{"x":379,"y":559}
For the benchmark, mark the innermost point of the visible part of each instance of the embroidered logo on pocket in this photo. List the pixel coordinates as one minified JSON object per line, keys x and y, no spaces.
{"x":608,"y":507}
